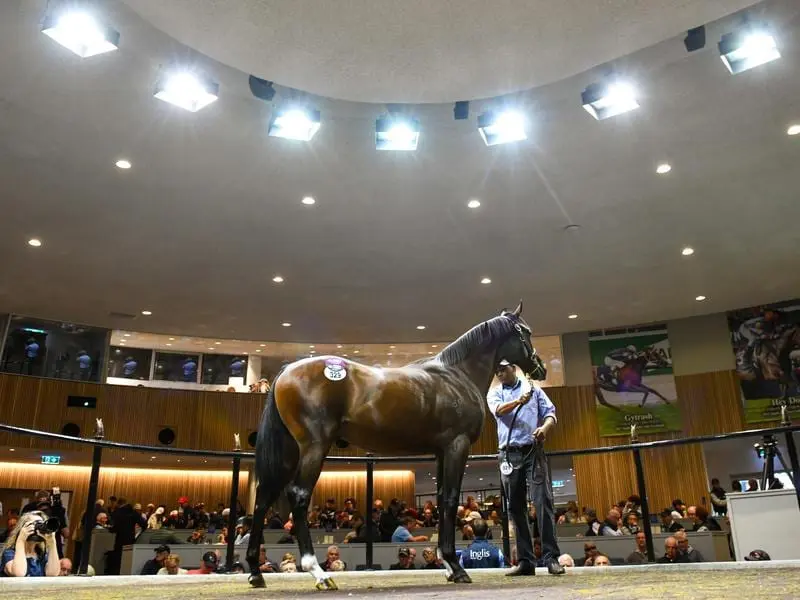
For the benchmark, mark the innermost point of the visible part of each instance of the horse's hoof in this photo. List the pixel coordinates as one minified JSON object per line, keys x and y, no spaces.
{"x":257,"y":581}
{"x":462,"y":578}
{"x":327,"y":585}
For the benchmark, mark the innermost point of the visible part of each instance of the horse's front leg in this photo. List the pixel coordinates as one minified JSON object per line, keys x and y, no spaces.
{"x":452,"y":462}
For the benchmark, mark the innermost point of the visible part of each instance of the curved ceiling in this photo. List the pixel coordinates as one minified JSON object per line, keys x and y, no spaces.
{"x":211,"y":209}
{"x":415,"y":51}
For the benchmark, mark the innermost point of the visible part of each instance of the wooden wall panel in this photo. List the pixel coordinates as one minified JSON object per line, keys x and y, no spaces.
{"x":711,"y":403}
{"x":343,"y":484}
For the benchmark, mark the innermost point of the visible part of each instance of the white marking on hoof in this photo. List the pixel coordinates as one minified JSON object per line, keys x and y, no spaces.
{"x":311,"y":565}
{"x":447,"y":566}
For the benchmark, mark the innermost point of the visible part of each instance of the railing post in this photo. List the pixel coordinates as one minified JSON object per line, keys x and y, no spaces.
{"x":791,"y":448}
{"x":369,"y":524}
{"x":648,"y":530}
{"x":237,"y":463}
{"x":504,"y":527}
{"x":91,"y":500}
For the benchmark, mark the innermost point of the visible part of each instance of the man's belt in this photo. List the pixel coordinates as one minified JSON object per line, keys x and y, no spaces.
{"x":513,"y":448}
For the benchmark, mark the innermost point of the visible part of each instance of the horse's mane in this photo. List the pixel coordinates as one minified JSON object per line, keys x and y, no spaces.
{"x":457,"y":351}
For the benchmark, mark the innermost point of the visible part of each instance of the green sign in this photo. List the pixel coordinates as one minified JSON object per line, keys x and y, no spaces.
{"x":51,"y":459}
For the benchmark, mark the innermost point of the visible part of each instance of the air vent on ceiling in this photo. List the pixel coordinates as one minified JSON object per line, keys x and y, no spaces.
{"x":119,"y":315}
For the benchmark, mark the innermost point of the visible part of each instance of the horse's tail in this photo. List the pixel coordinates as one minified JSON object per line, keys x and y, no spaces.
{"x":274,"y":447}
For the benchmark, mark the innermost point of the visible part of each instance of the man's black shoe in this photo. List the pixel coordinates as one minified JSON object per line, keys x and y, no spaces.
{"x":522,"y":569}
{"x":554,"y":568}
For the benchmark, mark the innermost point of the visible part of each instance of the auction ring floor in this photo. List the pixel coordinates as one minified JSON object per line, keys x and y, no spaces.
{"x":717,"y":581}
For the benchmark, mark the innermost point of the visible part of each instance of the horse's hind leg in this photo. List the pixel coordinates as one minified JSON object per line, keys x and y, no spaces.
{"x":299,"y":492}
{"x":452,"y":462}
{"x":266,"y":495}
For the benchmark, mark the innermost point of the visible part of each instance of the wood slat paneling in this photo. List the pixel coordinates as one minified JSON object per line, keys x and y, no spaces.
{"x":711,"y":403}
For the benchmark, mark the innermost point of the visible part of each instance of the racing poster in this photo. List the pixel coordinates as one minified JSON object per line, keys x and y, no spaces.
{"x":633,"y":381}
{"x":766,"y":343}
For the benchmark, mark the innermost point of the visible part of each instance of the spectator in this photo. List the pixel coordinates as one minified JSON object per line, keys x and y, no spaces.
{"x":402,"y":534}
{"x":51,"y":506}
{"x":752,"y":485}
{"x":222,"y":538}
{"x":638,"y":556}
{"x":172,"y":566}
{"x":611,"y":524}
{"x":494,"y":518}
{"x":124,"y":520}
{"x":209,"y":566}
{"x":668,"y":524}
{"x":101,"y":521}
{"x":327,"y":517}
{"x":65,"y":567}
{"x":404,"y":560}
{"x":630,"y":524}
{"x":589,"y":554}
{"x":198,"y":536}
{"x":537,"y":552}
{"x":237,"y":568}
{"x":156,"y":520}
{"x":572,"y":514}
{"x":431,"y":559}
{"x":601,"y":560}
{"x":112,"y":505}
{"x":482,"y":554}
{"x":274,"y":520}
{"x":164,"y":536}
{"x":428,"y":520}
{"x":685,"y":549}
{"x":264,"y":564}
{"x":671,"y":554}
{"x":413,"y":553}
{"x":288,"y":564}
{"x":10,"y":525}
{"x":389,"y":521}
{"x":701,"y":519}
{"x":678,"y":509}
{"x":332,"y":556}
{"x":27,"y":553}
{"x":337,"y":565}
{"x":155,"y":564}
{"x":349,"y":505}
{"x":243,"y":531}
{"x":467,"y":533}
{"x":633,"y":505}
{"x":719,"y":498}
{"x":565,"y":560}
{"x":461,"y":512}
{"x":594,"y":524}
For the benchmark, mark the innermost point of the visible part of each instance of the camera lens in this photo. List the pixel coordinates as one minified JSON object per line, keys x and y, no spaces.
{"x":51,"y":525}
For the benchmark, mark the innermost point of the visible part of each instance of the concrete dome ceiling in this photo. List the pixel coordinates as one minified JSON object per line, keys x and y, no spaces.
{"x":416,"y":51}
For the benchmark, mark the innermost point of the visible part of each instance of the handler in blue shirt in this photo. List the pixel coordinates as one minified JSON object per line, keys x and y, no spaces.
{"x":525,"y":415}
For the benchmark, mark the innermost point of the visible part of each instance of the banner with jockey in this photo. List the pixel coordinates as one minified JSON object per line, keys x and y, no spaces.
{"x":766,"y":344}
{"x":633,"y":381}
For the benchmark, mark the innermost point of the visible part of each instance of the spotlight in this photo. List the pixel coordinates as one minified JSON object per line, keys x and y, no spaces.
{"x":295,"y":124}
{"x":695,"y":39}
{"x":502,"y":128}
{"x":81,"y":33}
{"x":461,"y":110}
{"x":395,"y":132}
{"x":747,"y":48}
{"x":186,"y":90}
{"x":261,"y":88}
{"x":605,"y":100}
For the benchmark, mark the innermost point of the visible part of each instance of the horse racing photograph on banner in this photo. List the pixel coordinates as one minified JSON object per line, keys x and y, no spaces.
{"x":766,"y":343}
{"x":633,"y":381}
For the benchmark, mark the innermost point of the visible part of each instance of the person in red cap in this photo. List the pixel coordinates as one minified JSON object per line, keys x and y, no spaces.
{"x":188,"y":512}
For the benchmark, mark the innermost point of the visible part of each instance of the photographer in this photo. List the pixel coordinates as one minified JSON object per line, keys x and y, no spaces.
{"x":52,"y":507}
{"x":30,"y":550}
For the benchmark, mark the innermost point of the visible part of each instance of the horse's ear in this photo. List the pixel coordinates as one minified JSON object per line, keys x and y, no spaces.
{"x":518,"y":310}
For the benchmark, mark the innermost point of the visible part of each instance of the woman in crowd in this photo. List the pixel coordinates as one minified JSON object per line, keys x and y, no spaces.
{"x":222,"y":538}
{"x":156,"y":520}
{"x":288,"y":564}
{"x":28,"y":553}
{"x":172,"y":566}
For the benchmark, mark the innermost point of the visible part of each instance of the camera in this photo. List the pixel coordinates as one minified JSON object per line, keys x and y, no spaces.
{"x":45,"y":527}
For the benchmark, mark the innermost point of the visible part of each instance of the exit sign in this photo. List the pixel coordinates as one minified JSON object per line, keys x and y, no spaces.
{"x":52,"y":459}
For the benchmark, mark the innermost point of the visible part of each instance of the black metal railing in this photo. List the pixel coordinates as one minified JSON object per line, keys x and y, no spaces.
{"x":237,"y":456}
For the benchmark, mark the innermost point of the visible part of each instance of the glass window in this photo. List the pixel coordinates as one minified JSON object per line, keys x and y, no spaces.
{"x":129,"y":363}
{"x":219,"y":368}
{"x":54,"y":349}
{"x":176,"y":367}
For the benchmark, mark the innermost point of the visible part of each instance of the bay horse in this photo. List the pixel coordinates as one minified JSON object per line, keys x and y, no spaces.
{"x":629,"y":379}
{"x":432,"y":406}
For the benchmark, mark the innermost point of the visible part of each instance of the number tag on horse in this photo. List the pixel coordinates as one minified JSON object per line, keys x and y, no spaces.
{"x":506,"y":468}
{"x":334,"y":369}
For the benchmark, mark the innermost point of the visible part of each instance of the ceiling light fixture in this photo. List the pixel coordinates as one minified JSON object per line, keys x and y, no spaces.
{"x":171,"y":339}
{"x":388,"y":354}
{"x":286,"y":324}
{"x":312,"y":346}
{"x":392,"y":347}
{"x":146,"y":313}
{"x":258,"y":349}
{"x":187,"y":90}
{"x":573,"y":316}
{"x":395,"y":132}
{"x":277,"y":279}
{"x":295,"y":124}
{"x":474,"y":203}
{"x":663,"y":168}
{"x":700,"y":298}
{"x":218,"y":343}
{"x":420,"y":327}
{"x":793,"y":130}
{"x":308,"y":201}
{"x":127,"y":335}
{"x":688,"y":251}
{"x":486,"y":281}
{"x":503,"y":127}
{"x":81,"y":33}
{"x":749,"y":47}
{"x":609,"y":99}
{"x":123,"y":164}
{"x":338,"y":345}
{"x":211,"y":348}
{"x":168,"y":344}
{"x":35,"y":242}
{"x":356,"y":351}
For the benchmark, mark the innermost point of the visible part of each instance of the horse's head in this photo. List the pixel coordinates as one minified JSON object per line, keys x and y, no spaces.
{"x":518,"y":348}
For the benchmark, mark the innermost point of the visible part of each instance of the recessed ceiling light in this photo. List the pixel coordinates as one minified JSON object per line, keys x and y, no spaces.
{"x":486,"y":281}
{"x":344,"y":354}
{"x":572,"y":317}
{"x":308,"y":201}
{"x":35,"y":242}
{"x":277,"y":279}
{"x":146,"y":313}
{"x":123,"y":164}
{"x":258,"y":349}
{"x":12,"y":450}
{"x":474,"y":203}
{"x":168,"y":344}
{"x":793,"y":130}
{"x":688,"y":251}
{"x":663,"y":168}
{"x":218,"y":343}
{"x":356,"y":351}
{"x":420,"y":327}
{"x":152,"y":458}
{"x":434,"y":345}
{"x":312,"y":351}
{"x":429,"y":352}
{"x":392,"y":347}
{"x":211,"y":348}
{"x":127,"y":335}
{"x":480,"y":478}
{"x":171,"y":339}
{"x":81,"y":33}
{"x":286,"y":324}
{"x":388,"y":354}
{"x":700,"y":298}
{"x":312,"y":346}
{"x":187,"y":90}
{"x":263,"y":345}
